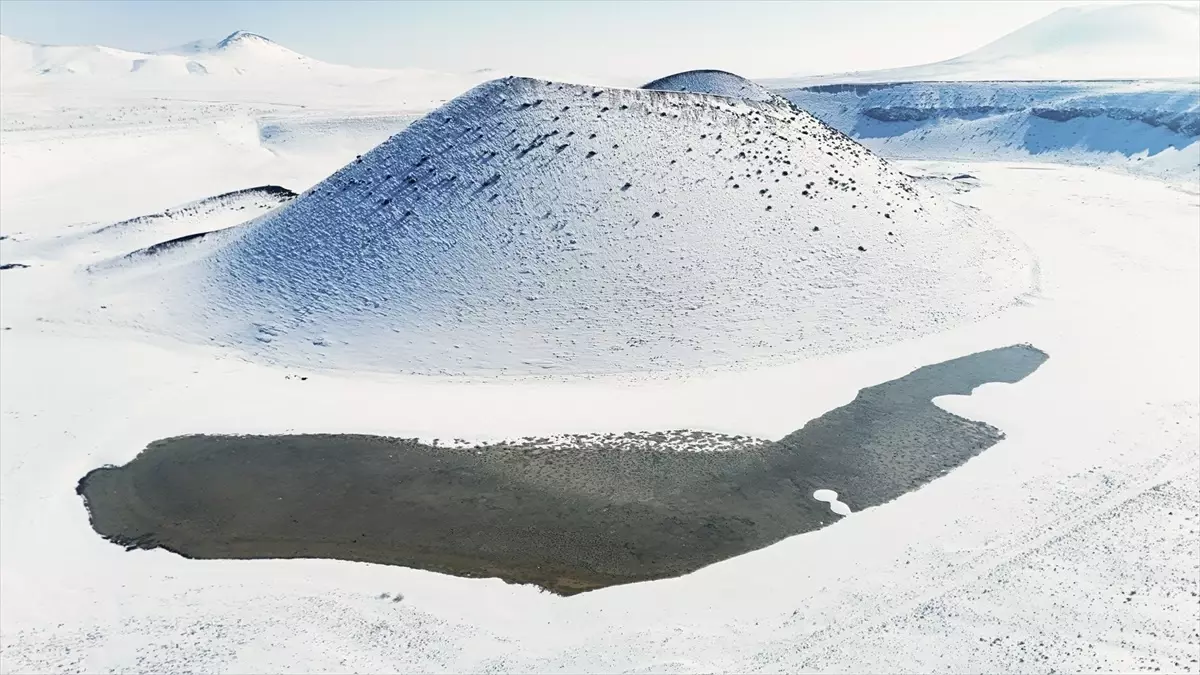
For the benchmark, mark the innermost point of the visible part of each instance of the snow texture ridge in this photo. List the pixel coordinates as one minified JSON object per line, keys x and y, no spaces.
{"x":531,"y":227}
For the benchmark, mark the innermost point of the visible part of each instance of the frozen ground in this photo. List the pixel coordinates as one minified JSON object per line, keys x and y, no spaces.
{"x":1069,"y":546}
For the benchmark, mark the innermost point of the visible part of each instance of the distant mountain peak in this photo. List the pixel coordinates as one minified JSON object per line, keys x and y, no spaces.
{"x":243,"y":37}
{"x":240,"y":41}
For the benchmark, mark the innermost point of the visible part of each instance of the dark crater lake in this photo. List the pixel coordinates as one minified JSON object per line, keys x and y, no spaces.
{"x":601,"y":512}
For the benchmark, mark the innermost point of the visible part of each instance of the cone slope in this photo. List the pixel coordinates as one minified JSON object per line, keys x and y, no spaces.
{"x":531,"y":227}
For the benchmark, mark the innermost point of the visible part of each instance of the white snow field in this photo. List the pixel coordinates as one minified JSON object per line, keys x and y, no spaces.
{"x":535,"y":227}
{"x":1069,"y":546}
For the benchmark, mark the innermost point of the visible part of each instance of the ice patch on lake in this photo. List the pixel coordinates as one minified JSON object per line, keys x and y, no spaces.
{"x":839,"y":507}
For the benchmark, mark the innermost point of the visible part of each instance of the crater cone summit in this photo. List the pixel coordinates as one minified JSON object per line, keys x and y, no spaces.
{"x":531,"y":227}
{"x":717,"y":83}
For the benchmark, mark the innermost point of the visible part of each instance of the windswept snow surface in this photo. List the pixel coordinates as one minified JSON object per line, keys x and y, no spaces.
{"x":532,"y":227}
{"x":1140,"y":40}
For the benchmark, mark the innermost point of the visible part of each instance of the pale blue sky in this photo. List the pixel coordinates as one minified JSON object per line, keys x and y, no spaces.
{"x":757,"y":39}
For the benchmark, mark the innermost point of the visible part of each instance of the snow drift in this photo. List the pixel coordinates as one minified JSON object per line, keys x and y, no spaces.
{"x":1092,"y":42}
{"x":531,"y":226}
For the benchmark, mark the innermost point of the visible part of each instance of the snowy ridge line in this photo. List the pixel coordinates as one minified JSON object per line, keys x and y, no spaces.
{"x":269,"y":194}
{"x":112,"y":246}
{"x":169,"y":244}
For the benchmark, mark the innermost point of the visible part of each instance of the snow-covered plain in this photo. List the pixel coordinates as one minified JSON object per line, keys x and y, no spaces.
{"x":1069,"y":546}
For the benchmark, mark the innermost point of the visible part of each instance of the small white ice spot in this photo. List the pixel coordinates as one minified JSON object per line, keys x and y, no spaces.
{"x":838,"y":507}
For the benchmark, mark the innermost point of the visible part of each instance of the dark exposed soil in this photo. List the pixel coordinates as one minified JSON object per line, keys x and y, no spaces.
{"x":599,"y":513}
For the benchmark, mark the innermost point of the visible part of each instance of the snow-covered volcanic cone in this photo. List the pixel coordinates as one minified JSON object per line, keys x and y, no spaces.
{"x":715,"y":82}
{"x":531,"y":227}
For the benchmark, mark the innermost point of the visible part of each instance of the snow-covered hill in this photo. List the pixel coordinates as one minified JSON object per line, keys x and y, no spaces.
{"x":715,"y":82}
{"x":531,"y":226}
{"x":1091,"y":42}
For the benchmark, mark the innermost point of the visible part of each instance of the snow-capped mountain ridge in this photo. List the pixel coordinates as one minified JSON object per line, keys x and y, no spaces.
{"x":243,"y":36}
{"x":240,"y":40}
